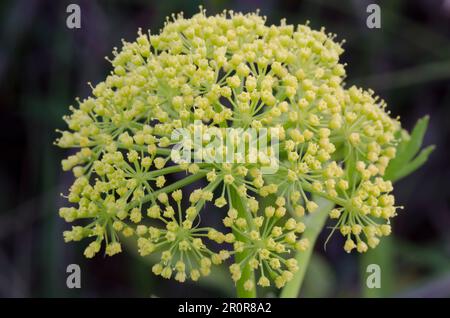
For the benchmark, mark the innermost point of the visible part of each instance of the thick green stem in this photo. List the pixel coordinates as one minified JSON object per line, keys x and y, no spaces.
{"x":247,"y":272}
{"x":383,"y":257}
{"x":314,"y":225}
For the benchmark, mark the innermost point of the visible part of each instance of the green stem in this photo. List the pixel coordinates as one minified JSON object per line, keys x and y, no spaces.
{"x":247,"y":272}
{"x":172,"y":187}
{"x":314,"y":225}
{"x":383,"y":257}
{"x":159,"y":151}
{"x":163,"y":171}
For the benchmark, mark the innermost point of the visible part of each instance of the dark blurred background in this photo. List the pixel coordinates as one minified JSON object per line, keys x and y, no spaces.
{"x":44,"y":66}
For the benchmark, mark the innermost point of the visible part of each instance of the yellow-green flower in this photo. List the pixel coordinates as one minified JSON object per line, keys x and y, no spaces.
{"x":207,"y":74}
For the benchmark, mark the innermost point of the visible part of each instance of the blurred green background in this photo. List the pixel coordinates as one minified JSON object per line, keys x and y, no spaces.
{"x":44,"y":66}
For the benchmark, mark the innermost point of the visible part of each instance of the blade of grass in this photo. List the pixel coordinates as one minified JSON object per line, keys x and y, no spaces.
{"x":407,"y":77}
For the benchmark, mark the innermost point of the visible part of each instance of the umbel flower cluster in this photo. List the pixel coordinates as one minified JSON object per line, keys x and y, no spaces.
{"x":228,"y":70}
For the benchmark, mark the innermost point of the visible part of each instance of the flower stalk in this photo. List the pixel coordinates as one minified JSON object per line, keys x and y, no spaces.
{"x":314,"y":226}
{"x":247,"y":272}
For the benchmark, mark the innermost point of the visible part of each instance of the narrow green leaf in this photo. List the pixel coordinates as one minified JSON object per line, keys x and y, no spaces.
{"x":416,"y":140}
{"x":415,"y":164}
{"x":404,"y":162}
{"x":396,"y":163}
